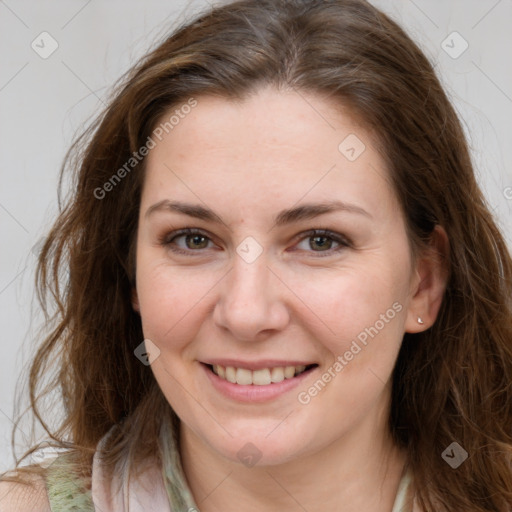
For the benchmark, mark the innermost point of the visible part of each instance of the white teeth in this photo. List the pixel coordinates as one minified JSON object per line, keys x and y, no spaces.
{"x":243,"y":376}
{"x":289,"y":372}
{"x":220,"y":370}
{"x":262,"y":377}
{"x":277,"y":374}
{"x":230,"y":374}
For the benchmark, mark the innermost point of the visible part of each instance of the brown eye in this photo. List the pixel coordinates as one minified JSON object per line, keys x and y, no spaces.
{"x":321,"y":241}
{"x":186,"y":241}
{"x":195,"y":241}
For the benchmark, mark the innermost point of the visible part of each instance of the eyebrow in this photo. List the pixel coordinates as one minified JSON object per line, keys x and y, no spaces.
{"x":304,"y":212}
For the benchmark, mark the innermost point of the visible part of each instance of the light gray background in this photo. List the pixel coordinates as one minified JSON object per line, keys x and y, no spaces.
{"x":44,"y":103}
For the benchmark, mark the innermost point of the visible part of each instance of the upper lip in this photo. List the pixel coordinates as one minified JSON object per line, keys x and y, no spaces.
{"x":256,"y":365}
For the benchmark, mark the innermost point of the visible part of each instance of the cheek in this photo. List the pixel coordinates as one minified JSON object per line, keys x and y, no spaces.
{"x":363,"y":315}
{"x":348,"y":301}
{"x":170,"y":299}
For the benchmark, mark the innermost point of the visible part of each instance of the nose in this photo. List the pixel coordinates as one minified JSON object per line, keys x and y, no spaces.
{"x":251,"y":302}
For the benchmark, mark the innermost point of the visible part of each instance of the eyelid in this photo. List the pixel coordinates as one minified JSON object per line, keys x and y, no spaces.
{"x":166,"y":239}
{"x":323,"y":232}
{"x":344,"y":242}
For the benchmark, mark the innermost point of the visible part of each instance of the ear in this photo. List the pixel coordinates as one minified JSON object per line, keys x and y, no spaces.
{"x":135,"y":300}
{"x":429,"y":283}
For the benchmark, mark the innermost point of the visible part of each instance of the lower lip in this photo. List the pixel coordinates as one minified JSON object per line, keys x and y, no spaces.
{"x":251,"y":392}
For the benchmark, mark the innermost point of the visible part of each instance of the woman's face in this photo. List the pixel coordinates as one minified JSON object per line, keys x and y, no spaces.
{"x":255,"y":289}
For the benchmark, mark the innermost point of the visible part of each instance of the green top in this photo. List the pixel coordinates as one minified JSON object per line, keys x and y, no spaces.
{"x":68,"y":492}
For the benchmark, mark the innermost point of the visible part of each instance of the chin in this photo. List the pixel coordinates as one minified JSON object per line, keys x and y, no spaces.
{"x":260,"y":450}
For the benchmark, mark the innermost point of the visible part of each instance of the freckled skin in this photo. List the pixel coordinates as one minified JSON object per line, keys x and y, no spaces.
{"x":248,"y":161}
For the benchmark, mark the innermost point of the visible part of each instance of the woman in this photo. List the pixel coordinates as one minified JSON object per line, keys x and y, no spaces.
{"x":285,"y":288}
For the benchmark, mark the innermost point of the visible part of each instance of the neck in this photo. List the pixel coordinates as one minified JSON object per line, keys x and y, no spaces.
{"x":359,"y":471}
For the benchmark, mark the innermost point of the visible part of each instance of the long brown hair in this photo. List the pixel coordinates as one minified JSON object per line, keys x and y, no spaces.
{"x":451,"y":383}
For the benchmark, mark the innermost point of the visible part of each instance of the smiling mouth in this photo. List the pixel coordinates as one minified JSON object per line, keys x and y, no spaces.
{"x":263,"y":377}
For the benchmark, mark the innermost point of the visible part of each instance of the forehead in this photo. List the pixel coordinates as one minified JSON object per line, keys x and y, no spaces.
{"x":274,"y":145}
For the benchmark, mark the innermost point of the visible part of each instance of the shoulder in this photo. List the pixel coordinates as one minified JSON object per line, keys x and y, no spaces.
{"x":21,"y":497}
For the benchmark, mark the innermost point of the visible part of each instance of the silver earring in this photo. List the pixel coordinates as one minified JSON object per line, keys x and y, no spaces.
{"x":420,"y":321}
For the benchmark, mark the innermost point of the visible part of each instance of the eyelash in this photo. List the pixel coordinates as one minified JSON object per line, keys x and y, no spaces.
{"x":167,"y":240}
